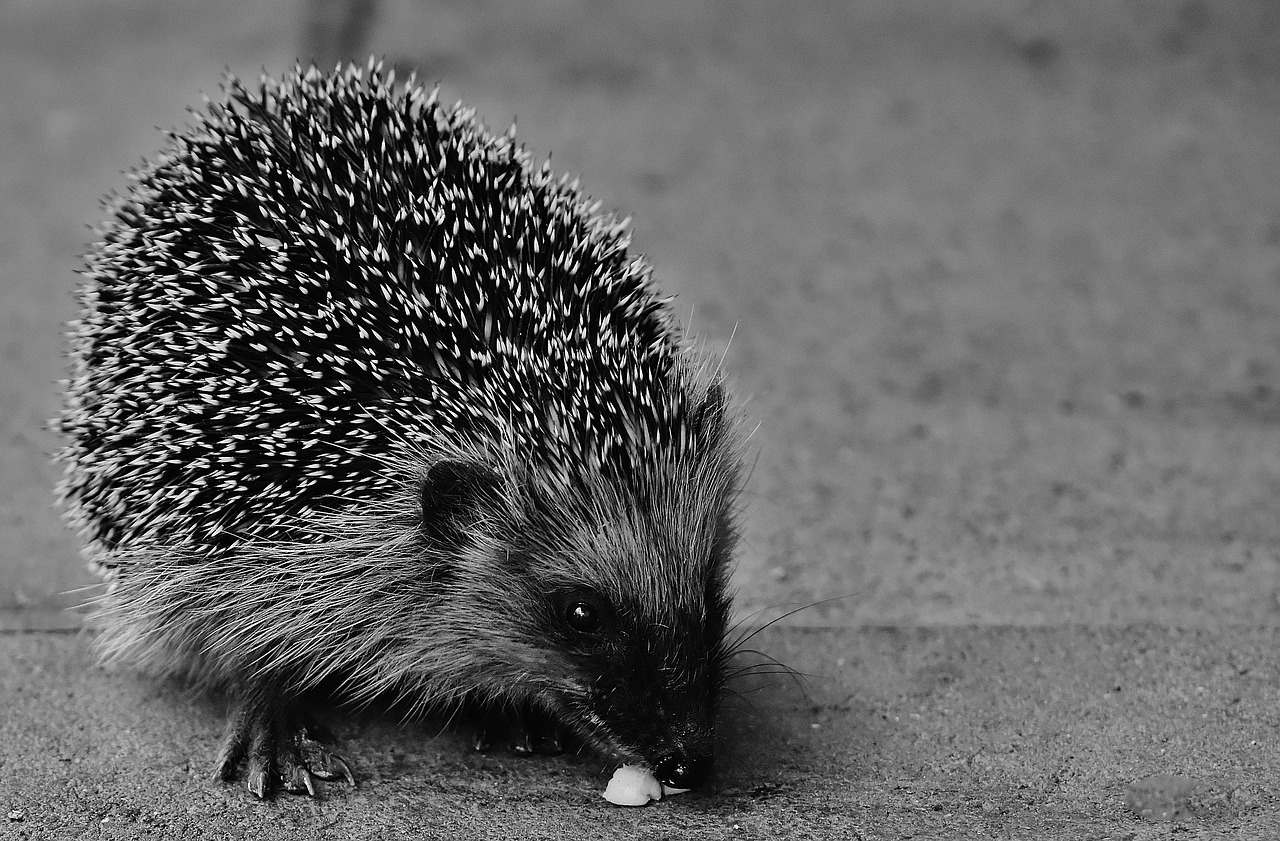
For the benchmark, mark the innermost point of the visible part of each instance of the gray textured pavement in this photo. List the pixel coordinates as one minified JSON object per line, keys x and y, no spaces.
{"x":925,"y":733}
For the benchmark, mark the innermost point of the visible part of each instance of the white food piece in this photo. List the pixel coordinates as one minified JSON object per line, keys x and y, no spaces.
{"x":633,"y":785}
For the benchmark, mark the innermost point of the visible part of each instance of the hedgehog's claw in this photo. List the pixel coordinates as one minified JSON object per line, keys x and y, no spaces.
{"x":522,"y":736}
{"x":277,"y":748}
{"x":229,"y":757}
{"x":552,"y":742}
{"x":323,"y":763}
{"x":484,"y":739}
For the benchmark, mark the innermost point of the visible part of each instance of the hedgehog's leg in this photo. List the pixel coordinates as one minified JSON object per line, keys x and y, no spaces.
{"x":535,"y":732}
{"x":278,"y":746}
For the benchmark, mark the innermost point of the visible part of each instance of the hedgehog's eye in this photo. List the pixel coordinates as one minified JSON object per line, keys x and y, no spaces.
{"x":584,"y":611}
{"x":583,"y":618}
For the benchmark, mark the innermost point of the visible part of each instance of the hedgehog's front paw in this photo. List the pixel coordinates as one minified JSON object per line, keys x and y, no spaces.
{"x":527,"y":732}
{"x":278,"y":748}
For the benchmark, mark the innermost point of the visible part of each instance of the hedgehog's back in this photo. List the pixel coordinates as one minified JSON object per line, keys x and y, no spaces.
{"x":326,"y":268}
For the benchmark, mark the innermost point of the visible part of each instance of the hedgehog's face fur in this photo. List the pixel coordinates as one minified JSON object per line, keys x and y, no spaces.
{"x":636,"y":656}
{"x":614,"y":595}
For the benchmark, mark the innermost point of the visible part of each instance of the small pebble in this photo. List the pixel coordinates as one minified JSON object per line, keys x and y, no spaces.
{"x":1161,"y":797}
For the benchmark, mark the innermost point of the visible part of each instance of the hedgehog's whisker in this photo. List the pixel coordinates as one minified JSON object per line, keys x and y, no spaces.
{"x":742,"y":640}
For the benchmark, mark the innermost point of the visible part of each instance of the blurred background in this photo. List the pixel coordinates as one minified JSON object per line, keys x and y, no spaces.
{"x":1002,"y":278}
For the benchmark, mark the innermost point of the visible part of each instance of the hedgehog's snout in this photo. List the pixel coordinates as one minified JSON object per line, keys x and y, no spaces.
{"x":682,"y":758}
{"x":680,"y":769}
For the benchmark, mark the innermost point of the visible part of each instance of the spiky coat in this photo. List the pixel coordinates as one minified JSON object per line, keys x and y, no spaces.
{"x":325,"y":289}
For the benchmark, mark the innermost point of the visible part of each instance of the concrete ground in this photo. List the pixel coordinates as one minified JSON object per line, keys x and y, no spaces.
{"x":1002,"y":281}
{"x":940,"y":732}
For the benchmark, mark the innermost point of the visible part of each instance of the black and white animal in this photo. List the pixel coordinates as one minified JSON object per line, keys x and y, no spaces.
{"x":361,"y":398}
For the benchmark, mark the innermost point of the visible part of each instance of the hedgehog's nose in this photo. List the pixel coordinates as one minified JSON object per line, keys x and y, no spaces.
{"x":676,"y":770}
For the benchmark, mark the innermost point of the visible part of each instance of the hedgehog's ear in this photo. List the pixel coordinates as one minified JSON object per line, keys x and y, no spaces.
{"x":456,"y":495}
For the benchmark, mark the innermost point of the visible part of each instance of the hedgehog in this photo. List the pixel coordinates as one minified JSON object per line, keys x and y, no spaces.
{"x":361,"y":398}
